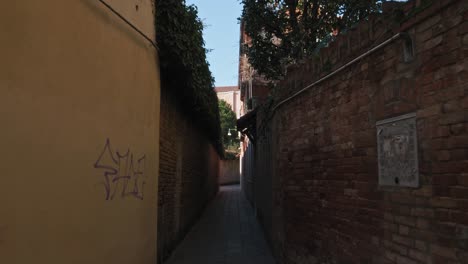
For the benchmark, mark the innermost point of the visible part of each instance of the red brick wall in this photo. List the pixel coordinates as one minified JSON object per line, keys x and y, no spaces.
{"x":327,"y":204}
{"x":188,"y":175}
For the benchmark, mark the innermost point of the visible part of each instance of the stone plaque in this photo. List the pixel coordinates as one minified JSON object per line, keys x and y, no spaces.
{"x":397,"y":144}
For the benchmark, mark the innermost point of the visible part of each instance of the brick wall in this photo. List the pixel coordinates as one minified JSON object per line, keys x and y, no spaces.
{"x":188,"y":179}
{"x":327,"y":204}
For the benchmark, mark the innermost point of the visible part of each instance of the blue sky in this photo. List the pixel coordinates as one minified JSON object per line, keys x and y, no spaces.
{"x":221,"y":35}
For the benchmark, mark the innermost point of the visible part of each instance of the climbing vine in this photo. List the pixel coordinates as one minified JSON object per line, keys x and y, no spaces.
{"x":184,"y":68}
{"x":283,"y":32}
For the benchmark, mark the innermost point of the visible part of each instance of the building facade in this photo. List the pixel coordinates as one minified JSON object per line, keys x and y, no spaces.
{"x":230,"y":94}
{"x":254,"y":90}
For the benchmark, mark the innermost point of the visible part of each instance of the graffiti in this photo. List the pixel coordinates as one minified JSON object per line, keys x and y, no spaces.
{"x":123,"y":174}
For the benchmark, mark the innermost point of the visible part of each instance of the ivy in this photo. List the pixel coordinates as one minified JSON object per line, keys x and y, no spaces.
{"x":283,"y":32}
{"x":185,"y":70}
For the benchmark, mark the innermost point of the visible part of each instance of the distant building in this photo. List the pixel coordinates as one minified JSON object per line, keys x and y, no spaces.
{"x":230,"y":94}
{"x":254,"y":88}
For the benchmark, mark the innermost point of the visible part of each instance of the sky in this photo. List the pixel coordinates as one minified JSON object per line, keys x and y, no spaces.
{"x":221,"y":34}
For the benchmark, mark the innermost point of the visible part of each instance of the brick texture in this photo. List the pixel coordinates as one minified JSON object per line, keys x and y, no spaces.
{"x":188,"y":175}
{"x":327,"y":204}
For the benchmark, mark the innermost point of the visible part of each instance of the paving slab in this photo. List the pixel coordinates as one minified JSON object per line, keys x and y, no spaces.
{"x":227,"y":233}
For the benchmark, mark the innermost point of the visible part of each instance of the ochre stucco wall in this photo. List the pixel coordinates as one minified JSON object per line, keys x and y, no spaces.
{"x":72,"y":76}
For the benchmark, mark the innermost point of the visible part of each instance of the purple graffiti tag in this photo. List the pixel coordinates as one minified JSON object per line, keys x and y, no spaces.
{"x":121,"y":173}
{"x":111,"y":169}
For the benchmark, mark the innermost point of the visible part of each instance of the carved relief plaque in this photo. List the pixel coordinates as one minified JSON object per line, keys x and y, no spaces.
{"x":398,"y":151}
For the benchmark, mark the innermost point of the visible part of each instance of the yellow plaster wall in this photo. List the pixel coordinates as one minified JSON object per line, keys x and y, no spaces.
{"x":72,"y":76}
{"x":139,"y":12}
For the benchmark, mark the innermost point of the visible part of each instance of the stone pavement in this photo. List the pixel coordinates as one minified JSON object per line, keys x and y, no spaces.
{"x":227,"y":233}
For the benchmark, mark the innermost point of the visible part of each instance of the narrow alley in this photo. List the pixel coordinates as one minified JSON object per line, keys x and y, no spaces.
{"x":226,"y":233}
{"x":234,"y":132}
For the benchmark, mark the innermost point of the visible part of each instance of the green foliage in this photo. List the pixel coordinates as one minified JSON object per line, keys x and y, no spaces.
{"x":228,"y":121}
{"x":231,"y":155}
{"x":284,"y":31}
{"x":184,"y":68}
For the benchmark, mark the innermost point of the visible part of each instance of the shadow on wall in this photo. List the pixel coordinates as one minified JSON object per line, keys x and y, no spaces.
{"x":188,"y":174}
